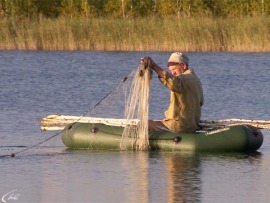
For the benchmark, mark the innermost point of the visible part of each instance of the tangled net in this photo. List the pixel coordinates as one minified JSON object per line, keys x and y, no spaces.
{"x":137,"y":107}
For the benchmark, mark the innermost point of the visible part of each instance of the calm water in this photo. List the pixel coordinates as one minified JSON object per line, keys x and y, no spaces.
{"x":36,"y":84}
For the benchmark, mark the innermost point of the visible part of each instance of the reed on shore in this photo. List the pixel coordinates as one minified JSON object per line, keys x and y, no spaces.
{"x":153,"y":34}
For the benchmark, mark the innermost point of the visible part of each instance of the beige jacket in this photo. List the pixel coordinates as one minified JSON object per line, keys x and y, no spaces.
{"x":184,"y":111}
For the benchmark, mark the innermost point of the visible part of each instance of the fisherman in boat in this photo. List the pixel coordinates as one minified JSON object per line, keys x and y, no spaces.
{"x":186,"y":99}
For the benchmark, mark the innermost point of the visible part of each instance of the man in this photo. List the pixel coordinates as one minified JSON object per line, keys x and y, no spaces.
{"x":184,"y":111}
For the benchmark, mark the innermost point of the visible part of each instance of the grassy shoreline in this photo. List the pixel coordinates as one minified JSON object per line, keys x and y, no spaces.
{"x":151,"y":34}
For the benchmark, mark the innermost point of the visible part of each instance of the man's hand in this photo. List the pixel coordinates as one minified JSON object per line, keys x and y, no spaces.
{"x":147,"y":62}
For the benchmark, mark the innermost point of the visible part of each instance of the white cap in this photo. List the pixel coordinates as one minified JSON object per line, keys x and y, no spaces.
{"x":177,"y":58}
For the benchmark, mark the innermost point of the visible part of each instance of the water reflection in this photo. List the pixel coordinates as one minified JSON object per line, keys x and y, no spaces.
{"x":193,"y":177}
{"x":174,"y":179}
{"x":183,"y":174}
{"x":126,"y":176}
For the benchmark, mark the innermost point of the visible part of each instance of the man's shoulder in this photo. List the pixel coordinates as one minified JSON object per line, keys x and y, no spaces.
{"x":189,"y":71}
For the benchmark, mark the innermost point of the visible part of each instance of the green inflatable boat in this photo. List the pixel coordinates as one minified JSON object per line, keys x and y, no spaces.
{"x":104,"y":137}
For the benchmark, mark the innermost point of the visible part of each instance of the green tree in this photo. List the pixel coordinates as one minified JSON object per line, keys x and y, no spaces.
{"x":115,"y":8}
{"x":48,"y":8}
{"x":85,"y":9}
{"x":98,"y":5}
{"x":68,"y":8}
{"x":76,"y":8}
{"x":133,"y":8}
{"x":18,"y":8}
{"x":141,"y":8}
{"x":167,"y":7}
{"x":181,"y":7}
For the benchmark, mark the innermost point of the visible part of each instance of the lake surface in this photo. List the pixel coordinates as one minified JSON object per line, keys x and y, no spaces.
{"x":37,"y":84}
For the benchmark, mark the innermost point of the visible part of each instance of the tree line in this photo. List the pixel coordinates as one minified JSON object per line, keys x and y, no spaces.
{"x":133,"y":8}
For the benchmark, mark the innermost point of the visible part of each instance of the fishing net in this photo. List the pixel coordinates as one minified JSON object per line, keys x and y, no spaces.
{"x":138,"y":108}
{"x":126,"y":105}
{"x":133,"y":106}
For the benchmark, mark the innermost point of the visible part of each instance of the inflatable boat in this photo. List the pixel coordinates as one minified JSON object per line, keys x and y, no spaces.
{"x":97,"y":136}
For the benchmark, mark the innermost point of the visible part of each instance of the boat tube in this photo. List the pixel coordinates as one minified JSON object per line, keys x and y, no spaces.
{"x":98,"y":136}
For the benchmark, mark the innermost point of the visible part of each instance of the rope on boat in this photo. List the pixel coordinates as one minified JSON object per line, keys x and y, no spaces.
{"x":13,"y":154}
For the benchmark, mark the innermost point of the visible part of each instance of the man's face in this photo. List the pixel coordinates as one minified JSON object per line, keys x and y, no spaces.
{"x":176,"y":70}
